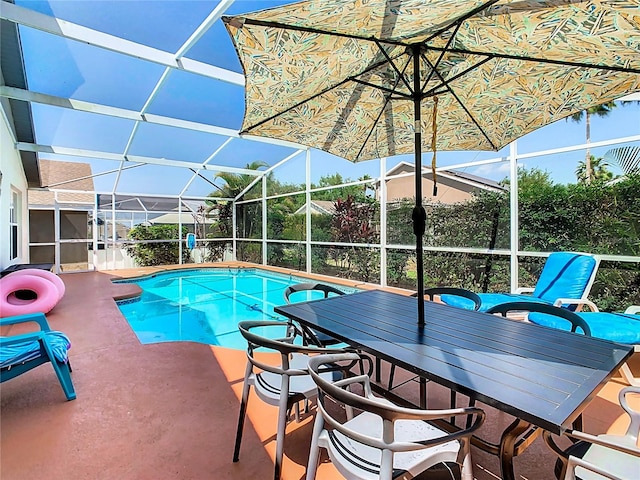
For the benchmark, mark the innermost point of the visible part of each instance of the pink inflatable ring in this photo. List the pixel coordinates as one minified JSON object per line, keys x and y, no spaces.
{"x":45,"y":291}
{"x":46,"y":274}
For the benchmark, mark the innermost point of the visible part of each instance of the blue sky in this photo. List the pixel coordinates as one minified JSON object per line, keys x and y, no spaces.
{"x":71,"y":69}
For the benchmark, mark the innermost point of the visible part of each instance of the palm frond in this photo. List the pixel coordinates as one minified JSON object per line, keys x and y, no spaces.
{"x":627,"y":158}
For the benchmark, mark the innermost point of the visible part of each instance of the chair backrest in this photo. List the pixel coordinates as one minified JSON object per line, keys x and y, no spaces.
{"x":576,"y":321}
{"x":340,"y":392}
{"x":282,"y":338}
{"x":633,"y":432}
{"x":566,"y":275}
{"x":310,"y":286}
{"x":475,"y":300}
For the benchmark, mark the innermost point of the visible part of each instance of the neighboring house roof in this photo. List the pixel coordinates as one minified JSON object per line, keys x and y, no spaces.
{"x":472,"y":180}
{"x":66,"y":176}
{"x":318,"y":207}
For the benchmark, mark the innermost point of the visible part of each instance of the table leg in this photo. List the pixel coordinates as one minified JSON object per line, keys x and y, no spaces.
{"x":508,"y":443}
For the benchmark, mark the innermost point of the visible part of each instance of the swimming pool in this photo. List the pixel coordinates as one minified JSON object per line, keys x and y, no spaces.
{"x":205,"y":305}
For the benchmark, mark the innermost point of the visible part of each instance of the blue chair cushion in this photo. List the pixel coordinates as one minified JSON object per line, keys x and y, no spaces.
{"x":457,"y":301}
{"x":21,"y":352}
{"x":489,"y":300}
{"x":565,"y":275}
{"x":617,"y":327}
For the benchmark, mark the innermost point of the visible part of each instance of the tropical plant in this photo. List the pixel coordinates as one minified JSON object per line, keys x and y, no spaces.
{"x":234,"y":184}
{"x":599,"y":171}
{"x":601,"y":111}
{"x":358,"y":192}
{"x":627,"y":158}
{"x":166,"y":252}
{"x":354,"y":222}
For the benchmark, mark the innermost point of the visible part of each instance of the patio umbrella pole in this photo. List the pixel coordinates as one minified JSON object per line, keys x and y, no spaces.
{"x":418,"y":215}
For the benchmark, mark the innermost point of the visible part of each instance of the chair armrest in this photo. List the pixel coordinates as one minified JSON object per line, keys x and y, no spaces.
{"x":38,"y":318}
{"x":579,"y":302}
{"x":570,"y":462}
{"x":521,"y":290}
{"x":25,"y":337}
{"x":625,"y":444}
{"x":574,"y":462}
{"x":21,"y":348}
{"x":633,"y":309}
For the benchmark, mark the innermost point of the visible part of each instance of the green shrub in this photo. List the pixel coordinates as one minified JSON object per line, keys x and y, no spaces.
{"x":166,"y":252}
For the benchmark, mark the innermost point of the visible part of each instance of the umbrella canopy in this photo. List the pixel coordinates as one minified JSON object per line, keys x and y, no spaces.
{"x":365,"y":79}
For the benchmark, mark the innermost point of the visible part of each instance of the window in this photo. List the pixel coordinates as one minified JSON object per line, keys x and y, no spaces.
{"x":14,"y":224}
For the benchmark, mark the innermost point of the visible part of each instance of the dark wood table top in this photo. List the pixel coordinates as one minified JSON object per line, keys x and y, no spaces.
{"x":541,"y":375}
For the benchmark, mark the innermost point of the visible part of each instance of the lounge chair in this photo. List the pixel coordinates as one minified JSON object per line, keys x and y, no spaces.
{"x":383,"y":441}
{"x":21,"y":353}
{"x":566,"y":276}
{"x":601,"y":456}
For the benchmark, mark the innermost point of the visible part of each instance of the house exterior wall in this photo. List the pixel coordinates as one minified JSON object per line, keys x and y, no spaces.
{"x":403,"y":187}
{"x":13,"y":180}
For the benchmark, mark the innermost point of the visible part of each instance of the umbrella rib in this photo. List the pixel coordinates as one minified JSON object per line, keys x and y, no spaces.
{"x":380,"y":87}
{"x":328,"y":89}
{"x":391,"y":91}
{"x":458,"y":21}
{"x":373,"y":127}
{"x":445,"y":83}
{"x":440,"y":57}
{"x":539,"y":60}
{"x":292,"y":107}
{"x":195,"y":172}
{"x":393,"y":64}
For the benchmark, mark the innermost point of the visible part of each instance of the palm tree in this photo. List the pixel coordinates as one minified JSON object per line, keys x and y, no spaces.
{"x":600,"y":172}
{"x":234,"y":184}
{"x":600,"y":111}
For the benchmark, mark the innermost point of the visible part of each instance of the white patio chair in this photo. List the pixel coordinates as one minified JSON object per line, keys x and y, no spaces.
{"x":283,"y":385}
{"x":615,"y":457}
{"x":316,"y":337}
{"x":384,"y":441}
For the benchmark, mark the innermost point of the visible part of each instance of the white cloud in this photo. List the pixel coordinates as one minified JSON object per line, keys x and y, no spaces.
{"x":494,"y":171}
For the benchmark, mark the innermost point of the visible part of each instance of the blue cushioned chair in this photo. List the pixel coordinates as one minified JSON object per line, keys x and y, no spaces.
{"x":566,"y":276}
{"x":617,"y":327}
{"x":21,"y":353}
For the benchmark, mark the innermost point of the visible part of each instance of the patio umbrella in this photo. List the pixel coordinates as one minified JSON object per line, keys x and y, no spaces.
{"x":365,"y":79}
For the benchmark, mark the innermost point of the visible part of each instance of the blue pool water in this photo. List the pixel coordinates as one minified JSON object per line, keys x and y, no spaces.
{"x":205,"y":305}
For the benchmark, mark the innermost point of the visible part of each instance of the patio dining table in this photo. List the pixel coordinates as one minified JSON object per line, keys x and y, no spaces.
{"x":541,"y":376}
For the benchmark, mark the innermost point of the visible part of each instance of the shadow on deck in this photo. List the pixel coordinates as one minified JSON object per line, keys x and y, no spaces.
{"x":169,"y":410}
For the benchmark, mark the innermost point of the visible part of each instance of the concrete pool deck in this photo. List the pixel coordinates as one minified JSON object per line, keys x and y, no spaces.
{"x":169,"y":410}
